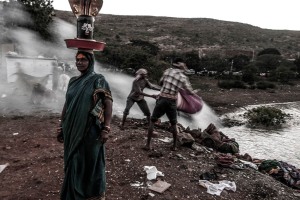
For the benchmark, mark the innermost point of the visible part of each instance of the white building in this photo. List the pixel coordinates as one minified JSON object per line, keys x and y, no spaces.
{"x":33,"y":66}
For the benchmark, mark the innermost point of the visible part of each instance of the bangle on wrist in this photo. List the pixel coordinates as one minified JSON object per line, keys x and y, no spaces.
{"x":105,"y":131}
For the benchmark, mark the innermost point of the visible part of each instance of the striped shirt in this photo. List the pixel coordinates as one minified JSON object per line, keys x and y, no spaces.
{"x":172,"y":80}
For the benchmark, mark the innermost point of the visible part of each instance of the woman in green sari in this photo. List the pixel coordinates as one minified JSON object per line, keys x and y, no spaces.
{"x":84,"y":130}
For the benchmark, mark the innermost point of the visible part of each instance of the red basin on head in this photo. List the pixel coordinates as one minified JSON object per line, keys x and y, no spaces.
{"x":85,"y":44}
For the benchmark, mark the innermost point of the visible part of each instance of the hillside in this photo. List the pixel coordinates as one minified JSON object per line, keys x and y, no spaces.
{"x":209,"y":36}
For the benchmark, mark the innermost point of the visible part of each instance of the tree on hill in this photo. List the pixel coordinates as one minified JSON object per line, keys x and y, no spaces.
{"x":239,"y":62}
{"x":284,"y":74}
{"x":35,"y":15}
{"x":249,"y":73}
{"x":269,"y":51}
{"x":192,"y":60}
{"x":268,"y":62}
{"x":214,"y":63}
{"x":297,"y":63}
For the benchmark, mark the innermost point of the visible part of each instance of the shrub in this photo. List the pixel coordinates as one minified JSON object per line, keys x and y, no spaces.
{"x":249,"y":74}
{"x":227,"y":84}
{"x":266,"y":116}
{"x":248,"y":77}
{"x":263,"y":85}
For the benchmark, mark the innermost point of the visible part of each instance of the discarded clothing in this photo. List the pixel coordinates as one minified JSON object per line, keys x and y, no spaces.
{"x":282,"y":171}
{"x":229,"y":161}
{"x":215,"y":139}
{"x":218,"y":188}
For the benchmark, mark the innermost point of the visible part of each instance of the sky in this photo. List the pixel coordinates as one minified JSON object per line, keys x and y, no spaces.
{"x":269,"y":14}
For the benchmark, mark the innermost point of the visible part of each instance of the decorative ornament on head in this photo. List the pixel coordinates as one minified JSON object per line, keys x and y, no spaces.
{"x":85,"y":12}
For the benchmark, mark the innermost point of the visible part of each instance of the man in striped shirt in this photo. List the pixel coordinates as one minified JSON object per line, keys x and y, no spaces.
{"x":172,"y":80}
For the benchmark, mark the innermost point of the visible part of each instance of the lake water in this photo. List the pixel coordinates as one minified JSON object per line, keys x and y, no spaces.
{"x":280,"y":144}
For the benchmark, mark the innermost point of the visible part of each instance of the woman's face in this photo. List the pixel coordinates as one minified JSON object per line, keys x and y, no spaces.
{"x":82,"y":63}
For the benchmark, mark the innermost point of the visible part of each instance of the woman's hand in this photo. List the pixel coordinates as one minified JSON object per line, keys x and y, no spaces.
{"x":60,"y":136}
{"x":104,"y":136}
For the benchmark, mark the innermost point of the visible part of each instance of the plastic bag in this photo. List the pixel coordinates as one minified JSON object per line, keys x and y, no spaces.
{"x":189,"y":103}
{"x":152,"y":172}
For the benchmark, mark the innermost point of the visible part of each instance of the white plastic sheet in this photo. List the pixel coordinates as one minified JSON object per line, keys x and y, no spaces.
{"x":216,"y":189}
{"x":166,"y":140}
{"x":2,"y":167}
{"x":152,"y":172}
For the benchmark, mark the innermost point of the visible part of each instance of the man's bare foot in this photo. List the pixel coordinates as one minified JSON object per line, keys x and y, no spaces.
{"x":173,"y":148}
{"x":155,"y":134}
{"x":146,"y":148}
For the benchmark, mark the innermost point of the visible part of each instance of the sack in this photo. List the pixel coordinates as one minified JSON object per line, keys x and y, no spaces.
{"x":212,"y":138}
{"x":229,"y":147}
{"x":188,"y":103}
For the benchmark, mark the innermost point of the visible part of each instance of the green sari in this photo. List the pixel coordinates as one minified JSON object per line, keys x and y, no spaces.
{"x":84,"y":155}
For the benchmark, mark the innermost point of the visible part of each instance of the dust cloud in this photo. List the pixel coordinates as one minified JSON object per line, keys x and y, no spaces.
{"x":15,"y":98}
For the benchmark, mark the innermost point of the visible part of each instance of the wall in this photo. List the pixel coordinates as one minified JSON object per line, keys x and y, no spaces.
{"x":4,"y":48}
{"x":38,"y":67}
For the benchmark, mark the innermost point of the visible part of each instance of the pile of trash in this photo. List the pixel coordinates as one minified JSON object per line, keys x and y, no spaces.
{"x":227,"y":155}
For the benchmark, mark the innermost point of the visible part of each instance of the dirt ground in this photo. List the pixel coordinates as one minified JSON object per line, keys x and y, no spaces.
{"x":35,"y":171}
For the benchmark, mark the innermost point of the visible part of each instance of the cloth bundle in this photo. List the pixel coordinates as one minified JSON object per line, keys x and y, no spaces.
{"x":189,"y":103}
{"x":217,"y":140}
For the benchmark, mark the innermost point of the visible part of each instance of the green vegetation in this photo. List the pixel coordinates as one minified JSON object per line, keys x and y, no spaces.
{"x":272,"y":51}
{"x":263,"y":85}
{"x":228,"y":84}
{"x":266,"y":116}
{"x":35,"y":15}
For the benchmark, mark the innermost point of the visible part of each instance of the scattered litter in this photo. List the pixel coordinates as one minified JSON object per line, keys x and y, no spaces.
{"x":216,"y":189}
{"x":197,"y":148}
{"x":151,"y":194}
{"x":15,"y":133}
{"x":136,"y":184}
{"x":152,"y":172}
{"x":180,"y":156}
{"x":249,"y":164}
{"x":296,"y":194}
{"x":2,"y":167}
{"x":127,"y":160}
{"x":3,"y":95}
{"x":166,"y":140}
{"x":160,"y":186}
